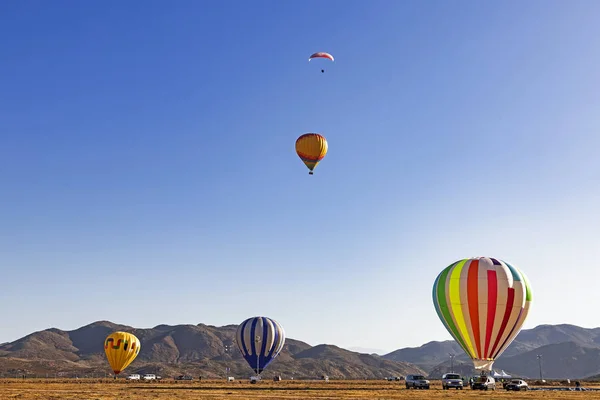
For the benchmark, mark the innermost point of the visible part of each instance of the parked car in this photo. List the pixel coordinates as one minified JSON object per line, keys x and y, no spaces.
{"x":149,"y":377}
{"x":451,"y":380}
{"x":483,"y":382}
{"x":254,"y":379}
{"x":516,"y":384}
{"x":416,"y":382}
{"x":133,"y":377}
{"x":184,"y":378}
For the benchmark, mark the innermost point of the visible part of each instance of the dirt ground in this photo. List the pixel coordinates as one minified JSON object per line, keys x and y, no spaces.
{"x":88,"y":389}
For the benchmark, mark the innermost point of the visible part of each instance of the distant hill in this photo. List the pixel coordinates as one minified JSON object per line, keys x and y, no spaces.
{"x":173,"y":350}
{"x":366,"y":350}
{"x":560,"y":360}
{"x":568,"y":351}
{"x":428,"y":355}
{"x":551,"y":334}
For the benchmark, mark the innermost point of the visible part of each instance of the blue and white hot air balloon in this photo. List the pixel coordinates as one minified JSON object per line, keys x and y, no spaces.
{"x":260,"y":339}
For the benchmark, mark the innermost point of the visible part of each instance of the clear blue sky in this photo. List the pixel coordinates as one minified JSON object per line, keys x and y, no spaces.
{"x":149,"y":176}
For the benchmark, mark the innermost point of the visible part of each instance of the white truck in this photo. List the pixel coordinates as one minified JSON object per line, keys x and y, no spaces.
{"x":452,"y":380}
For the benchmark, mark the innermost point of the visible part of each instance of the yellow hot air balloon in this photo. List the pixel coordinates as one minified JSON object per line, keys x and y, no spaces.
{"x":121,"y":348}
{"x":311,"y":148}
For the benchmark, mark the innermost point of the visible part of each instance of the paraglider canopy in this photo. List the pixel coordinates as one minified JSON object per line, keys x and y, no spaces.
{"x":321,"y":54}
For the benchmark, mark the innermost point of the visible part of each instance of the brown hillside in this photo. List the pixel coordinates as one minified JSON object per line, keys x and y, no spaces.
{"x":182,"y":349}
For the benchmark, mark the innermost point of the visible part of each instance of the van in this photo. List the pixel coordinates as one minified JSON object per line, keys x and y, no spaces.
{"x":483,"y":382}
{"x":133,"y":377}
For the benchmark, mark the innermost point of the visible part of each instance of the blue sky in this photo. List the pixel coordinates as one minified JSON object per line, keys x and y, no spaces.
{"x":149,"y":176}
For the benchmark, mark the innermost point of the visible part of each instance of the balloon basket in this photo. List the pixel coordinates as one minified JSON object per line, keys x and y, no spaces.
{"x":310,"y":173}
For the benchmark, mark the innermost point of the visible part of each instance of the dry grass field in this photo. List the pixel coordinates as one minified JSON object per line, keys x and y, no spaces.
{"x":88,"y":389}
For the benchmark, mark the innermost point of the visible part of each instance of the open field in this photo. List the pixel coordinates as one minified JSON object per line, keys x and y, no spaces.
{"x":94,"y":389}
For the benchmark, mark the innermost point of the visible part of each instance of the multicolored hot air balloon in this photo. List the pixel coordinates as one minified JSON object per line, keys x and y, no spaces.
{"x":483,"y":303}
{"x":311,"y":148}
{"x":121,"y":348}
{"x":321,"y":54}
{"x":260,"y":339}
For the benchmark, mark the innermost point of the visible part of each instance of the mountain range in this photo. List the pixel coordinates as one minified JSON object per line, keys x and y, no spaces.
{"x":197,"y":350}
{"x":567,"y":351}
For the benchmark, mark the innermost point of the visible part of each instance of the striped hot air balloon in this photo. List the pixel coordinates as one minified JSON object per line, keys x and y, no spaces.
{"x":311,"y":148}
{"x":260,"y":339}
{"x":483,"y":302}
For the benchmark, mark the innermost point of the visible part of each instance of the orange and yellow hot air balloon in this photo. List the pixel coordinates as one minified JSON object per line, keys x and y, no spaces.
{"x":121,"y":348}
{"x":311,"y":148}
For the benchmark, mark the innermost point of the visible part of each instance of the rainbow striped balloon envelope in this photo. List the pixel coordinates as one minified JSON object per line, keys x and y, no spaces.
{"x":483,"y":302}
